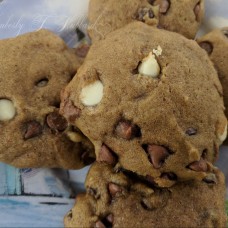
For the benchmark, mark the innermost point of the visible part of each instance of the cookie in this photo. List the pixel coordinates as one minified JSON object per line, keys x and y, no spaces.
{"x":142,"y":97}
{"x":120,"y":200}
{"x":216,"y":45}
{"x":178,"y":16}
{"x":34,"y":69}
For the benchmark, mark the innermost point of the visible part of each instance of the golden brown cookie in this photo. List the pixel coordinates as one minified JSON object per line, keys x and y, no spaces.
{"x":150,"y":102}
{"x":215,"y":44}
{"x":121,"y":200}
{"x":34,"y":69}
{"x":183,"y":16}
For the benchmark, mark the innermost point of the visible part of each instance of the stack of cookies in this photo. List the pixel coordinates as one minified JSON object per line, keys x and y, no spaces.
{"x":151,"y":103}
{"x":146,"y":103}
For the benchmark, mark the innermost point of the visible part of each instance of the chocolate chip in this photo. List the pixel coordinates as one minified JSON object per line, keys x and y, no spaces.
{"x":110,"y":218}
{"x":106,"y":155}
{"x":150,"y":179}
{"x":191,"y":131}
{"x":169,"y":176}
{"x":198,"y":166}
{"x":114,"y":190}
{"x":93,"y":192}
{"x":56,"y":122}
{"x":86,"y":158}
{"x":127,"y":130}
{"x":151,"y":2}
{"x":207,"y":46}
{"x":82,"y":50}
{"x":210,"y":179}
{"x":197,"y":11}
{"x":80,"y":34}
{"x":204,"y":154}
{"x":164,"y":5}
{"x":33,"y":129}
{"x":70,"y":111}
{"x":99,"y":224}
{"x":157,"y":155}
{"x":142,"y":12}
{"x":151,"y":13}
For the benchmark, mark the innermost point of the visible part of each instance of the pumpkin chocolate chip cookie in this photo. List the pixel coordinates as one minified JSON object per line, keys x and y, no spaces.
{"x":34,"y":69}
{"x":120,"y":200}
{"x":150,"y":102}
{"x":183,"y":17}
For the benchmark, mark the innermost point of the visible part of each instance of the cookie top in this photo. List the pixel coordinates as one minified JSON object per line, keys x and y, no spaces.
{"x":34,"y":69}
{"x":183,"y":17}
{"x":119,"y":200}
{"x":142,"y":98}
{"x":215,"y":44}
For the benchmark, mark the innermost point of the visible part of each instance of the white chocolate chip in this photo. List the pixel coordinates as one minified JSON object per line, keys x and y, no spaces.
{"x":74,"y":137}
{"x":149,"y":66}
{"x":7,"y":110}
{"x":223,"y":136}
{"x":158,"y":51}
{"x":92,"y":94}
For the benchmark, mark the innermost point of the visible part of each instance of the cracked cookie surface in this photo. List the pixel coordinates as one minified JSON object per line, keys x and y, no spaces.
{"x":178,"y":16}
{"x":151,"y":114}
{"x":34,"y":69}
{"x":117,"y":200}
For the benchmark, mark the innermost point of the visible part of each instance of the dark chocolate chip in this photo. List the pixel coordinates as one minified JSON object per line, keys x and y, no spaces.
{"x":142,"y":12}
{"x":151,"y":13}
{"x":198,"y":166}
{"x":157,"y":155}
{"x":151,"y":2}
{"x":56,"y":122}
{"x":106,"y":155}
{"x":33,"y":129}
{"x":114,"y":190}
{"x":70,"y":111}
{"x":164,"y":5}
{"x":80,"y":34}
{"x":150,"y":179}
{"x":210,"y":179}
{"x":110,"y":218}
{"x":99,"y":224}
{"x":82,"y":50}
{"x":191,"y":131}
{"x":86,"y":158}
{"x":197,"y":10}
{"x":169,"y":176}
{"x":207,"y":46}
{"x":93,"y":192}
{"x":127,"y":130}
{"x":204,"y":154}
